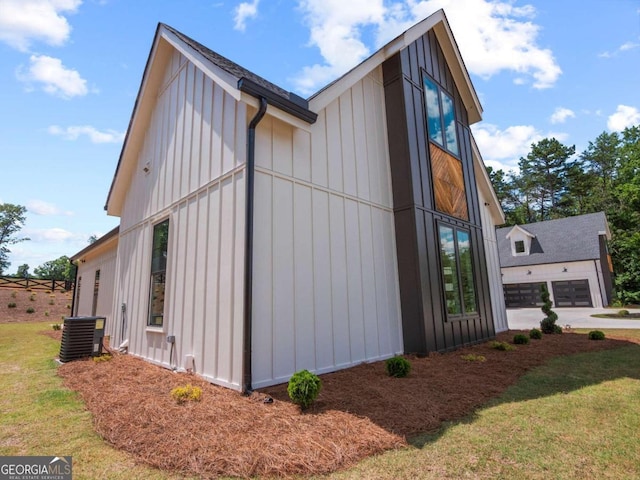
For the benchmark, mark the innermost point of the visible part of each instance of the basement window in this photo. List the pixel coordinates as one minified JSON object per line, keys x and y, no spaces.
{"x":158,"y":273}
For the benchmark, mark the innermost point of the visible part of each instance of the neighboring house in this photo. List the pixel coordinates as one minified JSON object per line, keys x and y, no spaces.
{"x":262,"y":233}
{"x":569,"y":255}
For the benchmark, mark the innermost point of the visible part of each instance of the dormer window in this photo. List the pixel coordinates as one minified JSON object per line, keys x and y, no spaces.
{"x":520,"y":240}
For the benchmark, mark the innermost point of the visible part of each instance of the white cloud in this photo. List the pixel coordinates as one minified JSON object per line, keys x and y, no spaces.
{"x":40,"y":207}
{"x":50,"y":235}
{"x":243,"y":12}
{"x":561,"y":114}
{"x":624,"y":117}
{"x":622,"y":48}
{"x":502,"y":149}
{"x":53,"y":76}
{"x":94,"y":135}
{"x":493,"y":36}
{"x":23,"y":21}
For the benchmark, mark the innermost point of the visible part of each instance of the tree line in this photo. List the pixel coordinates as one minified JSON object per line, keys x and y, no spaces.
{"x":12,"y":220}
{"x":554,"y":182}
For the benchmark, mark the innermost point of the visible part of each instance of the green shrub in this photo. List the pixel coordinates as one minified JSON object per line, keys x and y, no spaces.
{"x":46,"y":313}
{"x":12,"y":305}
{"x":548,"y":323}
{"x":52,"y":302}
{"x":623,"y":313}
{"x":56,"y":326}
{"x":31,"y":310}
{"x":535,"y":334}
{"x":68,"y":306}
{"x":32,"y":297}
{"x":502,"y":346}
{"x":180,"y":394}
{"x":472,"y":357}
{"x":596,"y":335}
{"x":520,"y":339}
{"x":398,"y":366}
{"x":304,"y":388}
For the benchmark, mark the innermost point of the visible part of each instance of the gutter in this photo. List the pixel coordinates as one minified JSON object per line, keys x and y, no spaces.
{"x":248,"y":246}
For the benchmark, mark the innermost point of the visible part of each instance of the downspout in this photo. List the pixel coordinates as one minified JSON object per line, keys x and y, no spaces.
{"x":248,"y":246}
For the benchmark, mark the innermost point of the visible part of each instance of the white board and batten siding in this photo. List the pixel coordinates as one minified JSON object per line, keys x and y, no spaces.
{"x":325,"y":281}
{"x":190,"y":170}
{"x":492,"y":259}
{"x":105,"y":262}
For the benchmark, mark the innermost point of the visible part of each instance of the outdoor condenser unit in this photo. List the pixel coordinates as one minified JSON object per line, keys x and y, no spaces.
{"x":81,"y":337}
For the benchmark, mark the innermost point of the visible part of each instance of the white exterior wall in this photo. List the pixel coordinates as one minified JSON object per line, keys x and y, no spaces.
{"x":553,"y":272}
{"x":194,"y":151}
{"x":492,"y":259}
{"x":325,"y":285}
{"x":105,"y":261}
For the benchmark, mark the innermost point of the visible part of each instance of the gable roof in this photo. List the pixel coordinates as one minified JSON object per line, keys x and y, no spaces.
{"x":570,"y":239}
{"x":108,"y":240}
{"x":518,"y":228}
{"x":440,"y":25}
{"x":233,"y":78}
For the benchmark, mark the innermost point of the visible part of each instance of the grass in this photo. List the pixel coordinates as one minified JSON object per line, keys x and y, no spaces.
{"x":41,"y":417}
{"x":574,"y":418}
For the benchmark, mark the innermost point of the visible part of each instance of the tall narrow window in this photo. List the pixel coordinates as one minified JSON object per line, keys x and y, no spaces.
{"x":457,"y":271}
{"x":96,"y":288}
{"x":441,"y":119}
{"x":158,"y":273}
{"x":75,"y":307}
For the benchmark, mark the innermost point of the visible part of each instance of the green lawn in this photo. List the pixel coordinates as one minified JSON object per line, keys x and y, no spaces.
{"x":574,"y":418}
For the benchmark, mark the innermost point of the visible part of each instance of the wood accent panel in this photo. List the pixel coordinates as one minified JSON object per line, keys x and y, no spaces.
{"x":448,"y":181}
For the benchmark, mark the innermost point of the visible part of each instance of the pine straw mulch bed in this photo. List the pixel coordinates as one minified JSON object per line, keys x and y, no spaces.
{"x":359,"y":412}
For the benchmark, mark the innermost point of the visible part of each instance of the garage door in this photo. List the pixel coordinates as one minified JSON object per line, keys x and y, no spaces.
{"x":522,"y":295}
{"x":572,"y":293}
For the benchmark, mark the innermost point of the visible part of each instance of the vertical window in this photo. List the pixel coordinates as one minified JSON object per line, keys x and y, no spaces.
{"x":96,"y":288}
{"x":75,"y":307}
{"x":441,"y":120}
{"x":457,"y":271}
{"x":519,"y":246}
{"x":158,"y":273}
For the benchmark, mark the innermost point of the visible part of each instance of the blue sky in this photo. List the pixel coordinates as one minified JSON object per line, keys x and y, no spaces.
{"x":70,"y":71}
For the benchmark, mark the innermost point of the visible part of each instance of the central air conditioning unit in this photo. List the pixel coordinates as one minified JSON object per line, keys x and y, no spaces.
{"x":82,"y":337}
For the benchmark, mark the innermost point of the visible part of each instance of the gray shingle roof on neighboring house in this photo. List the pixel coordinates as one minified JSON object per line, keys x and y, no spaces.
{"x":570,"y":239}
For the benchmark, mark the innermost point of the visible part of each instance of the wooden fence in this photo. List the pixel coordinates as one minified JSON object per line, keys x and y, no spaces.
{"x":35,"y":283}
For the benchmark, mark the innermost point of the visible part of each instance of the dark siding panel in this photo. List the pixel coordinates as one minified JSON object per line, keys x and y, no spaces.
{"x":606,"y":274}
{"x":425,"y":325}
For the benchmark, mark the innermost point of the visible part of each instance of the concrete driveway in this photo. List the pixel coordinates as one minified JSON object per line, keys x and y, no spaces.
{"x":527,"y":318}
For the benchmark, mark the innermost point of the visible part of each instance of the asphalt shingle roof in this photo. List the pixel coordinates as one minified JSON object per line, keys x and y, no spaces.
{"x":568,"y":239}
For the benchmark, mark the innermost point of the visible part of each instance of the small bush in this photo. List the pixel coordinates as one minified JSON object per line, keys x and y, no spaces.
{"x":535,"y":334}
{"x":623,"y":313}
{"x":14,"y":294}
{"x":184,"y":394}
{"x":29,"y":290}
{"x":398,"y":366}
{"x":68,"y":306}
{"x":520,"y":339}
{"x":557,"y":329}
{"x":502,"y":346}
{"x":31,"y":310}
{"x":304,"y":388}
{"x":52,"y":302}
{"x":32,"y":297}
{"x":12,"y":305}
{"x":46,"y":313}
{"x":48,"y":291}
{"x":56,"y":326}
{"x":104,"y":358}
{"x":596,"y":335}
{"x":472,"y":357}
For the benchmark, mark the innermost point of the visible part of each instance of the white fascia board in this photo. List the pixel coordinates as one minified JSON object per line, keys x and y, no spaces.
{"x":518,"y":228}
{"x":485,"y":184}
{"x":227,"y":81}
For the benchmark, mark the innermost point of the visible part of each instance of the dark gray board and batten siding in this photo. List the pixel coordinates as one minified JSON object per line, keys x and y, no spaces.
{"x":424,"y":320}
